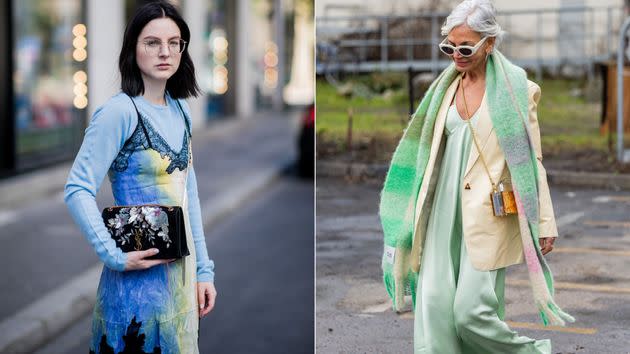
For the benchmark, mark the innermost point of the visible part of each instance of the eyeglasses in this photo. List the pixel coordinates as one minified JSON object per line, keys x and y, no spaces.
{"x":175,"y":46}
{"x":463,"y":50}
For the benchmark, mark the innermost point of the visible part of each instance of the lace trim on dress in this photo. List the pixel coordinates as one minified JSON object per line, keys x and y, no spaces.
{"x":149,"y":138}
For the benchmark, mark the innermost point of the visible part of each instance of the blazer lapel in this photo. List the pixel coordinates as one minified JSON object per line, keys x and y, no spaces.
{"x":438,"y":132}
{"x":482,"y":131}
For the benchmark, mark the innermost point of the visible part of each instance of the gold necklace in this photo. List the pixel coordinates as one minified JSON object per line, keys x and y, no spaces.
{"x":494,"y":186}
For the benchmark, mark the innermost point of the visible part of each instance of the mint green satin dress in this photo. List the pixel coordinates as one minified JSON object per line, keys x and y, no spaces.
{"x":458,"y":308}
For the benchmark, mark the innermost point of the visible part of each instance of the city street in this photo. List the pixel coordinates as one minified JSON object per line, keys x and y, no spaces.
{"x":258,"y":220}
{"x":49,"y":240}
{"x":589,"y":262}
{"x":263,"y":256}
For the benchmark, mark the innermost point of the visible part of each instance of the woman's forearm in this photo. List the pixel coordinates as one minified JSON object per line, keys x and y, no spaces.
{"x":205,"y":266}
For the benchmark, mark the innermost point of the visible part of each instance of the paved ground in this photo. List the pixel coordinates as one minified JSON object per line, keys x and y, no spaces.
{"x":590,"y":265}
{"x":264,"y":277}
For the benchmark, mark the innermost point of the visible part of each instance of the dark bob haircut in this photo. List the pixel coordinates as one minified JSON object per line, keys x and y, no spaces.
{"x":183,"y":83}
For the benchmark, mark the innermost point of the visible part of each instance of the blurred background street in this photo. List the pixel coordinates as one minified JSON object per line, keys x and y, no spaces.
{"x":62,"y":56}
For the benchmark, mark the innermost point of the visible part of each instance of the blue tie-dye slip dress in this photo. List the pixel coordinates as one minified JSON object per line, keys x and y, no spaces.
{"x":153,"y":310}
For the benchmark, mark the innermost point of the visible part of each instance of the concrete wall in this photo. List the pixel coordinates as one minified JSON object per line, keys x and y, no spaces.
{"x":194,"y":13}
{"x":244,"y":94}
{"x":105,"y":29}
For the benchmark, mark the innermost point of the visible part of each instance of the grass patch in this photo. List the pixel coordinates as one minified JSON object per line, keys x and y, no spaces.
{"x":567,"y":122}
{"x":376,"y":118}
{"x":570,"y":126}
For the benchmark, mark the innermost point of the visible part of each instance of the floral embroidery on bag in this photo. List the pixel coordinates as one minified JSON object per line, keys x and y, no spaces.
{"x":145,"y":220}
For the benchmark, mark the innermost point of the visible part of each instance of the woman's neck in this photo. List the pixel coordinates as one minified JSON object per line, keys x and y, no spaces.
{"x":475,"y":75}
{"x":154,"y":92}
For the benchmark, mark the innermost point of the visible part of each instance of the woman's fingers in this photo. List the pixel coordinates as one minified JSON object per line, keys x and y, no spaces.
{"x":206,"y":295}
{"x":211,"y":298}
{"x":209,"y":301}
{"x":148,"y":253}
{"x":545,"y":248}
{"x":201,"y":298}
{"x":547,"y":244}
{"x":207,"y":308}
{"x":153,"y":262}
{"x":138,"y":259}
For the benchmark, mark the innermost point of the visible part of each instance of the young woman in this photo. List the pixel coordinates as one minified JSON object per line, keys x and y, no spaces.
{"x":141,"y":139}
{"x":446,"y":242}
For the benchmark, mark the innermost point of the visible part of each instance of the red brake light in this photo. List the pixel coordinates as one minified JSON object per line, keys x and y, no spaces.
{"x":309,"y":117}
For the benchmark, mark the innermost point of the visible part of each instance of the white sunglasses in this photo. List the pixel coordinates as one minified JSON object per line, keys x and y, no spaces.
{"x":463,"y":50}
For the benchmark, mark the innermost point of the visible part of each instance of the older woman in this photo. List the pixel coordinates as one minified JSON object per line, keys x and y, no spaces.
{"x":466,"y":196}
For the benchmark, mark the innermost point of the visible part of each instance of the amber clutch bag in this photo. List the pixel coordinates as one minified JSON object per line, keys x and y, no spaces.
{"x":141,"y":227}
{"x":503,"y":202}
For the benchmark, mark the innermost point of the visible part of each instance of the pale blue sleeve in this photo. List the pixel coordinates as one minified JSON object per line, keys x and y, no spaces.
{"x":205,"y":266}
{"x":109,"y":128}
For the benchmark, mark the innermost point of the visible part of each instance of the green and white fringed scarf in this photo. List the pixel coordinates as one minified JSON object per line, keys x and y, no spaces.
{"x":506,"y":91}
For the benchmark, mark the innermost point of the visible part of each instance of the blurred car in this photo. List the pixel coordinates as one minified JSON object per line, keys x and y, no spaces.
{"x":306,"y":143}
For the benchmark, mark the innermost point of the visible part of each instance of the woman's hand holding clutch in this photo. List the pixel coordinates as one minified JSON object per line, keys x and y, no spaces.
{"x":136,"y":259}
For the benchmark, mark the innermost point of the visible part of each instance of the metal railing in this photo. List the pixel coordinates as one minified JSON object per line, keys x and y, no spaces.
{"x":623,"y":155}
{"x":537,"y":39}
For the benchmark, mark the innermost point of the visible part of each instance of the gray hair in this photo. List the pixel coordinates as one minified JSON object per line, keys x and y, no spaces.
{"x":479,"y":15}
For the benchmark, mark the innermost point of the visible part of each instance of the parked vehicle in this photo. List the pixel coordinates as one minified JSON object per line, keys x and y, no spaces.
{"x":306,"y":143}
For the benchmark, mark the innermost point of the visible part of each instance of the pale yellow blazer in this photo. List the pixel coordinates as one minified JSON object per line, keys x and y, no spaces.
{"x":491,"y":242}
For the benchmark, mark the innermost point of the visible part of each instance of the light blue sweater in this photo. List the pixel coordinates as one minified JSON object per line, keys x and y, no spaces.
{"x":109,"y":128}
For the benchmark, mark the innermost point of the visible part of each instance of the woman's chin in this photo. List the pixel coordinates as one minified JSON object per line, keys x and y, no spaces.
{"x":462,"y":66}
{"x":161,"y":76}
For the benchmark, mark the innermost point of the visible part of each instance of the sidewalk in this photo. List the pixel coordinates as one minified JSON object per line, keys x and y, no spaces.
{"x":49,"y":280}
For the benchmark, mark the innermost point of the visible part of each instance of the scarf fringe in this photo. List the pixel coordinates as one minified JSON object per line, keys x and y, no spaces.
{"x":540,"y":277}
{"x":390,"y":287}
{"x":399,"y":279}
{"x":551,"y":314}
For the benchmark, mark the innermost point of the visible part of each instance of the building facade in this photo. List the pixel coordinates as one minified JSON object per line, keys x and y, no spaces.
{"x":62,"y":58}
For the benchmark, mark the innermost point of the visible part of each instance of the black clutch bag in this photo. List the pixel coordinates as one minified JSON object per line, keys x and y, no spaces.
{"x":140,"y":227}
